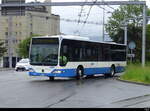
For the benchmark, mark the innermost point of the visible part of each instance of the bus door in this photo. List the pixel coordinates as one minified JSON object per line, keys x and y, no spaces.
{"x":91,"y":55}
{"x":95,"y":59}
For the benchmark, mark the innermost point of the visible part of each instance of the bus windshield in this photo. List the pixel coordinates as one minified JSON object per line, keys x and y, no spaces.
{"x":44,"y":52}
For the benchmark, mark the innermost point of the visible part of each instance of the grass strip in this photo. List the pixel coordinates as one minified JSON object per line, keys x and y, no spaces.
{"x":136,"y":73}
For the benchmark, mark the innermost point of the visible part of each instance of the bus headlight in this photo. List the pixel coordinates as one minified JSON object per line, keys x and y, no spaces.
{"x":57,"y":71}
{"x":31,"y":70}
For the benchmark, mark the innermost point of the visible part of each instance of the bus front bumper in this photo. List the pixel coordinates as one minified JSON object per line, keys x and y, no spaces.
{"x":62,"y":73}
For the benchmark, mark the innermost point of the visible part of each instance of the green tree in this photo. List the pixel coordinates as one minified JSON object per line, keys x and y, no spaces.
{"x":23,"y":47}
{"x":114,"y":29}
{"x":2,"y":49}
{"x":148,"y":42}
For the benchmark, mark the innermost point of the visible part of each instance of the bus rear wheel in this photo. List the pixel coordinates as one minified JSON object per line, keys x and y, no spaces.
{"x":89,"y":76}
{"x":80,"y":73}
{"x":51,"y":78}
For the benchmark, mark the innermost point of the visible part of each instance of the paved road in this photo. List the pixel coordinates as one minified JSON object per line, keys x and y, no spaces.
{"x":18,"y":90}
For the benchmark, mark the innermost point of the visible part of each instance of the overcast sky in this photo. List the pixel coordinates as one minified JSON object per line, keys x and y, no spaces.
{"x":72,"y":12}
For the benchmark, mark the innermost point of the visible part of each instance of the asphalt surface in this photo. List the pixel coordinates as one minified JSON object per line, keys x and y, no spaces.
{"x":18,"y":90}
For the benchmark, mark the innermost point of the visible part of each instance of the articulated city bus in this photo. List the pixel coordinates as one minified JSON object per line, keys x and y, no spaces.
{"x":74,"y":56}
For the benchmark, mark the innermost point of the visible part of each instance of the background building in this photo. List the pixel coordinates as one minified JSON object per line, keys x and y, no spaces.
{"x":37,"y":20}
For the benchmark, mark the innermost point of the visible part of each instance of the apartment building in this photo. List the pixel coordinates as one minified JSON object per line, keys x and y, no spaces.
{"x":37,"y":20}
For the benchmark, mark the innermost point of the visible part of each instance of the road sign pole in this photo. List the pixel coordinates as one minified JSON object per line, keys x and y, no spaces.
{"x":131,"y":56}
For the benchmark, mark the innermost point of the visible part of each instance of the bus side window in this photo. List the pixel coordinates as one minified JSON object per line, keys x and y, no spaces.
{"x":81,"y":54}
{"x":100,"y":52}
{"x":65,"y":48}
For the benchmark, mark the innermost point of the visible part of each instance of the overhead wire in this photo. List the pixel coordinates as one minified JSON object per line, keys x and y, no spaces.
{"x":81,"y":21}
{"x":110,"y":7}
{"x":68,"y":20}
{"x":80,"y":14}
{"x":88,"y":14}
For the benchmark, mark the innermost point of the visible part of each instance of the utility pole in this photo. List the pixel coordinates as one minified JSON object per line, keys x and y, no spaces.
{"x":125,"y":37}
{"x":10,"y":52}
{"x":125,"y":33}
{"x":103,"y":32}
{"x":144,"y":36}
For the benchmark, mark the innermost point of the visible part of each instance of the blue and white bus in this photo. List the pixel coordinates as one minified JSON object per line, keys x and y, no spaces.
{"x":74,"y":56}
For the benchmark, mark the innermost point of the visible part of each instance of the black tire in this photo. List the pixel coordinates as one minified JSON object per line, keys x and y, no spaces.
{"x":112,"y":71}
{"x":18,"y":69}
{"x":51,"y":78}
{"x":80,"y":73}
{"x":89,"y":76}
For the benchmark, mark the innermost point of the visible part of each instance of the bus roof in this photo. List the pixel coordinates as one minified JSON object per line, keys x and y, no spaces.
{"x":72,"y":37}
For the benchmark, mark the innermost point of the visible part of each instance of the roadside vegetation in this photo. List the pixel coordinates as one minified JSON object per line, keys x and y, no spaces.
{"x":3,"y":49}
{"x":137,"y":73}
{"x":115,"y":29}
{"x":23,"y":47}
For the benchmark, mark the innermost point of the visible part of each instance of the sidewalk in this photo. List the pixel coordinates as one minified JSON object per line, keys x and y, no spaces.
{"x":6,"y":69}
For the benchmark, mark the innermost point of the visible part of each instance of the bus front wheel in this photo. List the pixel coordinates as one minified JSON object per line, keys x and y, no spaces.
{"x":51,"y":78}
{"x":112,"y":71}
{"x":79,"y":73}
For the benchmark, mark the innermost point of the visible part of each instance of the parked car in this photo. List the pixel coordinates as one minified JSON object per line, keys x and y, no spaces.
{"x":23,"y":65}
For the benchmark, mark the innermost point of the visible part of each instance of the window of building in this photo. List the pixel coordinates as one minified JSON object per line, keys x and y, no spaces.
{"x":47,"y":18}
{"x":6,"y":41}
{"x":14,"y":41}
{"x":6,"y":33}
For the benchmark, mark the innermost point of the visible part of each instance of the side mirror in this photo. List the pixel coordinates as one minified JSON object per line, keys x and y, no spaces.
{"x":63,"y":60}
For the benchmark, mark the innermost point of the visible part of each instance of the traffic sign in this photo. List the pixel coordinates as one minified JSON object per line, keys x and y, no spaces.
{"x":132,"y":45}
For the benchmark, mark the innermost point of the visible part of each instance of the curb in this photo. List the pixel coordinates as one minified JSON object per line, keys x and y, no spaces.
{"x":5,"y":69}
{"x":138,"y":83}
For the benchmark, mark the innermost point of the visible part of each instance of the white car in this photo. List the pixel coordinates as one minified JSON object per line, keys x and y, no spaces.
{"x":23,"y":65}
